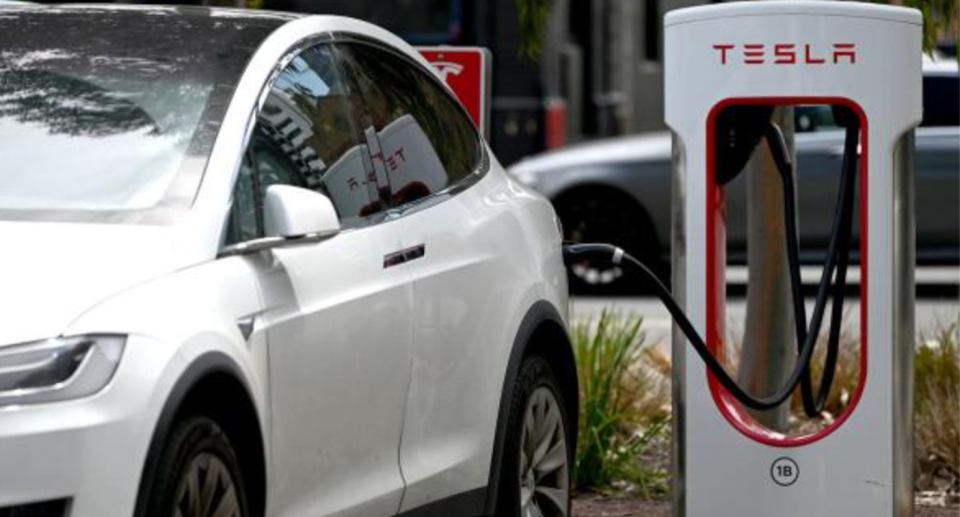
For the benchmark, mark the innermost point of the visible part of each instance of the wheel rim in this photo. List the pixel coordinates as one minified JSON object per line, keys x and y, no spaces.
{"x":207,"y":490}
{"x":599,"y":221}
{"x":544,"y":469}
{"x":594,"y":274}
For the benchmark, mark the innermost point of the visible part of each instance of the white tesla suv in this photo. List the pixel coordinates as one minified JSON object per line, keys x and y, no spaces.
{"x":257,"y":264}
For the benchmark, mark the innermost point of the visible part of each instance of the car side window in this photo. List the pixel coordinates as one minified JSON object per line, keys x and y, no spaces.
{"x":306,"y":136}
{"x":426,"y":142}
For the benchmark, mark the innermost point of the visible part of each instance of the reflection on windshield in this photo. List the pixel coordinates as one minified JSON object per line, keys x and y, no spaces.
{"x":109,"y":115}
{"x":66,"y":105}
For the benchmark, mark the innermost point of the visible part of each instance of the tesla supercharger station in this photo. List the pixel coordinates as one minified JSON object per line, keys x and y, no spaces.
{"x":852,"y":60}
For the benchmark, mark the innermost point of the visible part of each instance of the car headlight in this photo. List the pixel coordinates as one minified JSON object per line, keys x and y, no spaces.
{"x":58,"y":369}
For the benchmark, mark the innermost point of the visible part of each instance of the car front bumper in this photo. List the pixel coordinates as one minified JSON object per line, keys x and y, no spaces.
{"x":88,"y":453}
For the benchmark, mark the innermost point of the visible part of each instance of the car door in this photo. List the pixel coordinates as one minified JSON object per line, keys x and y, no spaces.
{"x":819,"y":170}
{"x":819,"y":157}
{"x":338,"y":321}
{"x":433,"y":159}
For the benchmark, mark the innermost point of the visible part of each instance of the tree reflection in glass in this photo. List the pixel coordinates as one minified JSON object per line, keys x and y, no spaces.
{"x":110,"y":114}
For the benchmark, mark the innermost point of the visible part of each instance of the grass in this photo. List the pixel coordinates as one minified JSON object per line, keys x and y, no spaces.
{"x":937,"y":431}
{"x":846,"y":378}
{"x":625,"y":406}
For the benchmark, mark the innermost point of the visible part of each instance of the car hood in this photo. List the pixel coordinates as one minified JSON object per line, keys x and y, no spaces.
{"x":52,"y":273}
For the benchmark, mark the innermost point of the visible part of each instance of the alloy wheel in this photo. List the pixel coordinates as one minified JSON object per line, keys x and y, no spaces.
{"x":544,"y":461}
{"x":207,"y":490}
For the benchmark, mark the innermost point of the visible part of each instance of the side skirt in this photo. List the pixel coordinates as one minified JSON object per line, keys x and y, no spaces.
{"x":464,"y":504}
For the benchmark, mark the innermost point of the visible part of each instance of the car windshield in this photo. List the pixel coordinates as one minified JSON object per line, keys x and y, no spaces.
{"x":109,"y":115}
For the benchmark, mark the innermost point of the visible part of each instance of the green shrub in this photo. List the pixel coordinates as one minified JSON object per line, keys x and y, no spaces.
{"x":624,"y":406}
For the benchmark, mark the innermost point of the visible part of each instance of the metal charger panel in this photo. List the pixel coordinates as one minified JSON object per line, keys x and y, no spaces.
{"x":770,"y":50}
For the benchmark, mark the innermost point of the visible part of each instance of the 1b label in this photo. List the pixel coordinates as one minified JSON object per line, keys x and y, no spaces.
{"x":784,"y":472}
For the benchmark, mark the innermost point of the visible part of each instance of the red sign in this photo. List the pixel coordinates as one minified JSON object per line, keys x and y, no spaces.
{"x":467,"y":71}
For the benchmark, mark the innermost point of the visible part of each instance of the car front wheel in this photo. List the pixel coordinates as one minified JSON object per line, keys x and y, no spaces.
{"x":197,"y":474}
{"x":538,"y":456}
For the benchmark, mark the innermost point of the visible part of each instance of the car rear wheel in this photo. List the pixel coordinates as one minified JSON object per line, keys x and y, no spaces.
{"x":607,"y":217}
{"x":538,"y":456}
{"x":198,"y":474}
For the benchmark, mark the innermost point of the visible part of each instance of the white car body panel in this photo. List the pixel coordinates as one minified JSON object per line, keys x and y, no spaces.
{"x":55,"y":450}
{"x":96,"y":446}
{"x":340,"y":346}
{"x":52,"y":292}
{"x":470,"y":283}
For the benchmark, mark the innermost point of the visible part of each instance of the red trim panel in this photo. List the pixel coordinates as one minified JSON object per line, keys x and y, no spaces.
{"x":716,"y":277}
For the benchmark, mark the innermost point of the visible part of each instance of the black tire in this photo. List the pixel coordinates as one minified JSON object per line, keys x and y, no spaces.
{"x":535,"y":374}
{"x":605,"y":216}
{"x":195,"y":446}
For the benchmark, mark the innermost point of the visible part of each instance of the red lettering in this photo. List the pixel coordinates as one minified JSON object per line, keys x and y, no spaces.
{"x":753,"y":54}
{"x":723,"y":52}
{"x":809,"y":59}
{"x":788,"y":53}
{"x":785,"y":54}
{"x":847,"y":50}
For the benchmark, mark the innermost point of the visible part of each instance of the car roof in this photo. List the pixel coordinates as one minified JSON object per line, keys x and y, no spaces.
{"x":937,"y":63}
{"x":655,"y":147}
{"x":632,"y":148}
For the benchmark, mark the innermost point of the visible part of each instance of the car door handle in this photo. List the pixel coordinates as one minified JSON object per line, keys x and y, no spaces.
{"x":403,"y":256}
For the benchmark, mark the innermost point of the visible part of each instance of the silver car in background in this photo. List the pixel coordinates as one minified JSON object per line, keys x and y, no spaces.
{"x":619,"y":190}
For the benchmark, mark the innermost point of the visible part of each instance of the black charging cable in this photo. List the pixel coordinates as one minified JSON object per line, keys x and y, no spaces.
{"x":574,"y":253}
{"x":837,"y":260}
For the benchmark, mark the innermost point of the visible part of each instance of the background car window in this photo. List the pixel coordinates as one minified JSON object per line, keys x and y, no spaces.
{"x":426,"y":143}
{"x":941,"y":100}
{"x":306,"y":137}
{"x":941,"y":106}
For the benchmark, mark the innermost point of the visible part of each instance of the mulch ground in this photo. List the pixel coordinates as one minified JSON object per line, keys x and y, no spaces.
{"x":593,"y":506}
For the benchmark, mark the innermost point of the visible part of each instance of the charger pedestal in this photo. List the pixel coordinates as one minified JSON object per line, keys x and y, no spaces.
{"x":860,"y":57}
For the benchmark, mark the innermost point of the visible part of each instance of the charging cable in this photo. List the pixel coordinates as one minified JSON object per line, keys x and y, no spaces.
{"x":837,"y":260}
